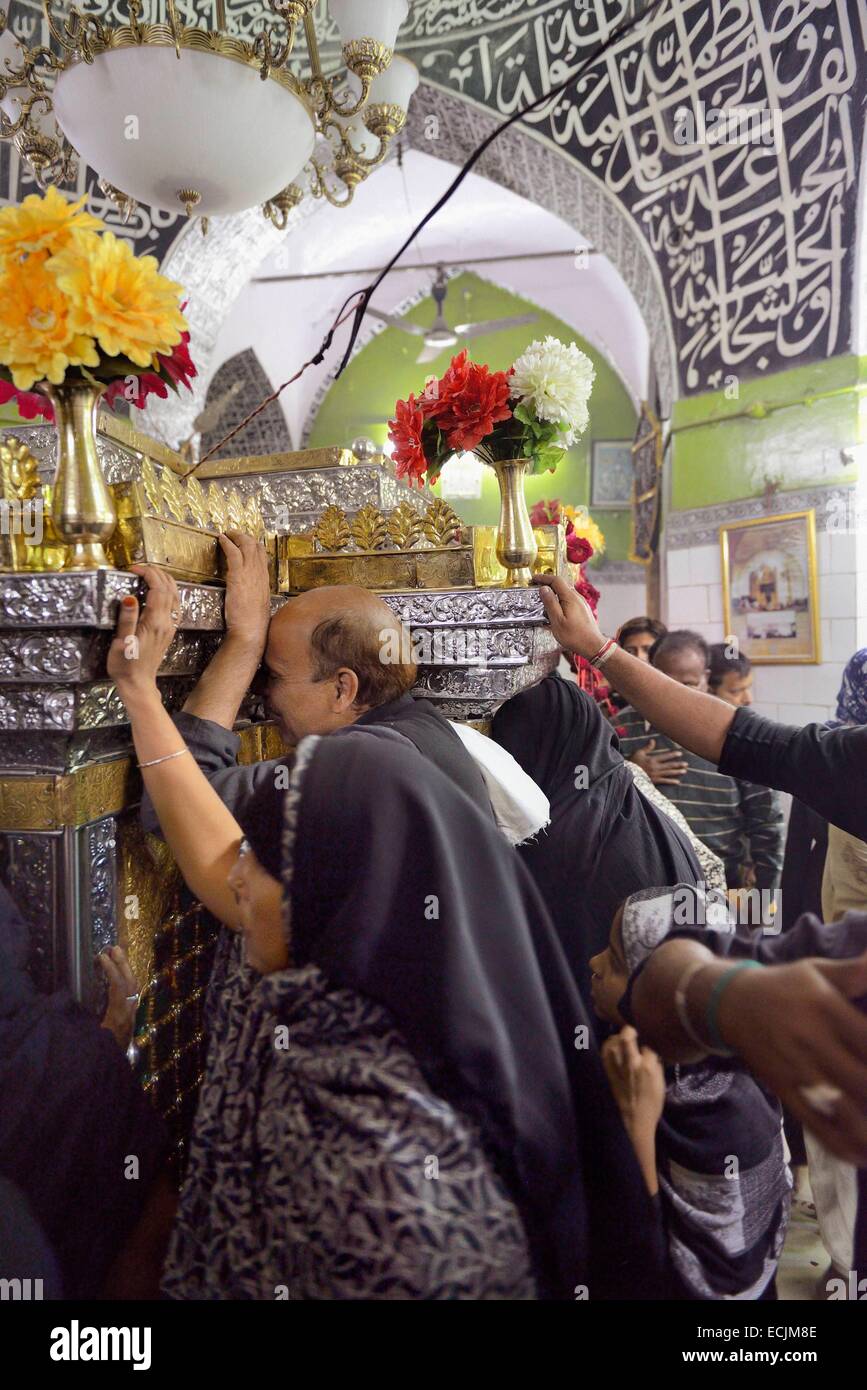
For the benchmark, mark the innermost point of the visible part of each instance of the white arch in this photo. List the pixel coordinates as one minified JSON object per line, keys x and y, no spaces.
{"x":214,"y":270}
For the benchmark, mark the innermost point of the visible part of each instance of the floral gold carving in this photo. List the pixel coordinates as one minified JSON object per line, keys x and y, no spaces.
{"x":217,"y":507}
{"x":442,"y":525}
{"x":332,"y":529}
{"x":198,"y":503}
{"x":151,"y":485}
{"x":405,"y":526}
{"x":235,"y":509}
{"x":174,"y":494}
{"x":369,"y":529}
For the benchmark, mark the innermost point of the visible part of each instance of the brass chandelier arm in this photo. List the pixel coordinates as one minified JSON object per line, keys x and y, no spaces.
{"x":175,"y":25}
{"x":319,"y":187}
{"x":313,"y":46}
{"x":354,"y":109}
{"x":9,"y":128}
{"x":272,"y":57}
{"x":75,"y":36}
{"x":27,"y":75}
{"x":134,"y":9}
{"x":278,"y":208}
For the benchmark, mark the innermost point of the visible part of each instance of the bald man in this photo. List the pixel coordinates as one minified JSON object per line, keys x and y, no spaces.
{"x":329,"y":661}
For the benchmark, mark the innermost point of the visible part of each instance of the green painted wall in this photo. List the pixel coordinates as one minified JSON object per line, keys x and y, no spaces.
{"x":385,"y":371}
{"x":813,"y":412}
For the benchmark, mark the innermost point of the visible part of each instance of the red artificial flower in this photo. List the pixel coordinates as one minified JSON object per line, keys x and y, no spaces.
{"x":30,"y":404}
{"x":405,"y":434}
{"x":178,"y":365}
{"x":589,"y":592}
{"x":578,"y":548}
{"x":176,"y":368}
{"x":546,"y":513}
{"x":469,"y":401}
{"x":148,"y":384}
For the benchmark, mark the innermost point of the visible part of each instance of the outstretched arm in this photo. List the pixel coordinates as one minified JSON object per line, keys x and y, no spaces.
{"x":824,"y":768}
{"x":696,"y":721}
{"x":201,"y":833}
{"x":793,"y":1026}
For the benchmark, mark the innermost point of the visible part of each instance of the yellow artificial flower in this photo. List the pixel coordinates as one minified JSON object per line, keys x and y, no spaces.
{"x":37,"y":339}
{"x":585,"y":526}
{"x":119,"y":298}
{"x":42,"y":224}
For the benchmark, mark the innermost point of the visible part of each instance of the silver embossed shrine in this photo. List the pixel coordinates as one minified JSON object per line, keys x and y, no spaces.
{"x":71,"y":848}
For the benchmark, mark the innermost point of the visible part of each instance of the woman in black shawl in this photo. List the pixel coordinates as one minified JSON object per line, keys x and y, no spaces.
{"x":604,"y":840}
{"x":428,"y":951}
{"x":413,"y":1132}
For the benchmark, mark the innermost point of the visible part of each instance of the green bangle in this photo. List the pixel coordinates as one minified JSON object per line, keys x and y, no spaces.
{"x":713,"y":1003}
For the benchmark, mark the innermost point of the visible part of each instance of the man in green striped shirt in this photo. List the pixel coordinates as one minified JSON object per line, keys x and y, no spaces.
{"x":741,"y":822}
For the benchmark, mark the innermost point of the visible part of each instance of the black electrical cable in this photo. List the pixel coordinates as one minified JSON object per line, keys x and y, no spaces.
{"x":368,"y":293}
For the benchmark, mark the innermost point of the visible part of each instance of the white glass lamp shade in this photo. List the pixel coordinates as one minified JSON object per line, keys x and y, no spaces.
{"x":153,"y":124}
{"x":369,"y":19}
{"x":396,"y":85}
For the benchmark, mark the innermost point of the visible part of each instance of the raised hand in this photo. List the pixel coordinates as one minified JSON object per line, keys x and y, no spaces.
{"x":571,"y":621}
{"x":637,"y":1079}
{"x":144,"y":635}
{"x":248,"y":592}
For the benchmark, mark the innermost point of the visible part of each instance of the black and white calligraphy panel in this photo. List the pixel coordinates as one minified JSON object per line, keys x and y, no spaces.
{"x":730,"y":130}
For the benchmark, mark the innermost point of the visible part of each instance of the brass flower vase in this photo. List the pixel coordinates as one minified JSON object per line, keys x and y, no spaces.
{"x":517,"y":547}
{"x":82,"y":507}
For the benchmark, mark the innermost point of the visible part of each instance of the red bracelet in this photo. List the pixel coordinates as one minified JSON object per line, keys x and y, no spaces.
{"x":603,"y":653}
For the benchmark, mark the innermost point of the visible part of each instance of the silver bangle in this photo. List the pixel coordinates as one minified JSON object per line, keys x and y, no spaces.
{"x":167,"y":759}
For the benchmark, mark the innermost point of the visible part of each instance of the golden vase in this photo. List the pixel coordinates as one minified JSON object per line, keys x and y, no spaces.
{"x":517,"y":547}
{"x":82,"y":508}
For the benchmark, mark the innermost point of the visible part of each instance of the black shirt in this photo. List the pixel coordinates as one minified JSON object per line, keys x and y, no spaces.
{"x":825,"y":768}
{"x":215,"y":750}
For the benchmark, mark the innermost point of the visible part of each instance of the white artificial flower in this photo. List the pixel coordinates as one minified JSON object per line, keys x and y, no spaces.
{"x":554,"y":380}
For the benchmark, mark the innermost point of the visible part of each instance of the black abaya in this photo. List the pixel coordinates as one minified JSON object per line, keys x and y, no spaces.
{"x":605,"y":841}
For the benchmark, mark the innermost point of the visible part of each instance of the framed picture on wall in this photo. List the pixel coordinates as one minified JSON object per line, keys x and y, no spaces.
{"x":770,"y":596}
{"x":611,"y":475}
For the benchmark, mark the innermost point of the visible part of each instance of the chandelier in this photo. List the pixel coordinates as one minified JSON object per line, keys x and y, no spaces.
{"x":180,"y":117}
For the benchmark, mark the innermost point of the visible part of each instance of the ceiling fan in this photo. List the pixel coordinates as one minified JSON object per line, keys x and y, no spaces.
{"x":440,"y":336}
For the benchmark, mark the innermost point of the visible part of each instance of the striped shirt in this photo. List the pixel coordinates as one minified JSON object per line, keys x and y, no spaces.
{"x":740,"y":821}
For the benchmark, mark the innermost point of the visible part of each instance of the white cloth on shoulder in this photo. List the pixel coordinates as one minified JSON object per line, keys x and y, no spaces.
{"x":521,"y":809}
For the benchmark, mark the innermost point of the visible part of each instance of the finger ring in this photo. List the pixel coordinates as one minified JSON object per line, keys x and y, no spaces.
{"x":821,"y":1097}
{"x":132,"y":998}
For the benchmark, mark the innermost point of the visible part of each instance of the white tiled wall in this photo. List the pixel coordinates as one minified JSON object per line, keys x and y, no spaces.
{"x":619,"y":602}
{"x":792,"y":694}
